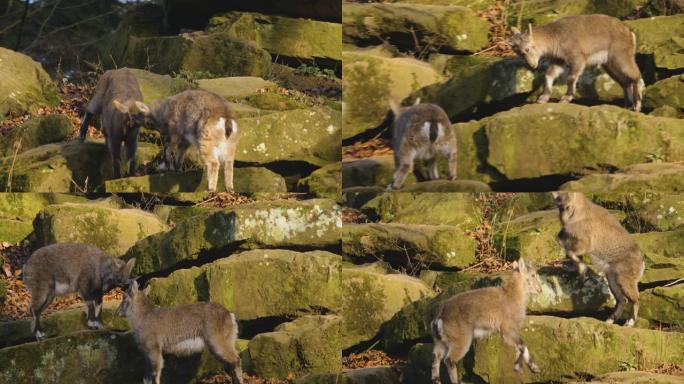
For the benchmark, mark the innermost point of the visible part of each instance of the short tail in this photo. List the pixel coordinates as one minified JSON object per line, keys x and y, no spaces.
{"x":231,"y":127}
{"x":434,"y":130}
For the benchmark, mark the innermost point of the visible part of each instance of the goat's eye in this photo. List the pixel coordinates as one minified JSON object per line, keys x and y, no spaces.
{"x":527,"y":50}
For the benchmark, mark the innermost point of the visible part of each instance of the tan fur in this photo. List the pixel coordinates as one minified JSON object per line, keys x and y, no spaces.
{"x":180,"y":330}
{"x":194,"y":118}
{"x":59,"y":269}
{"x":590,"y":229}
{"x":118,"y":86}
{"x":421,"y":131}
{"x":575,"y":42}
{"x":478,"y":312}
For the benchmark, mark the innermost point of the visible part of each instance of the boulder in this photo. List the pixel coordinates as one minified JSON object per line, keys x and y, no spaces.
{"x":310,"y":135}
{"x":35,"y":132}
{"x":562,"y":348}
{"x":370,"y":375}
{"x":662,"y":253}
{"x":546,"y":11}
{"x":64,"y":167}
{"x":325,"y":182}
{"x":258,"y":284}
{"x":14,"y":231}
{"x":533,"y":141}
{"x":531,"y":236}
{"x":450,"y":28}
{"x":448,"y":186}
{"x":98,"y":356}
{"x":25,"y":206}
{"x":371,"y":79}
{"x":475,"y":5}
{"x":245,"y":180}
{"x":60,"y":323}
{"x":443,"y":245}
{"x":461,"y":210}
{"x":663,"y":304}
{"x":637,"y":178}
{"x":195,"y":14}
{"x":113,"y":230}
{"x":666,"y":92}
{"x":154,"y":86}
{"x":664,"y":48}
{"x":236,"y":88}
{"x":25,"y":85}
{"x":310,"y":344}
{"x":660,"y":212}
{"x":271,"y":224}
{"x":371,"y":296}
{"x":636,"y":377}
{"x":197,"y":52}
{"x":491,"y":82}
{"x":285,"y":37}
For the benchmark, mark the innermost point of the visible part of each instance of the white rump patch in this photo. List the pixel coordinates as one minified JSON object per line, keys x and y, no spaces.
{"x":479,"y":333}
{"x":61,"y":288}
{"x":219,"y":151}
{"x":425,"y":129}
{"x":188,"y":347}
{"x":598,"y":58}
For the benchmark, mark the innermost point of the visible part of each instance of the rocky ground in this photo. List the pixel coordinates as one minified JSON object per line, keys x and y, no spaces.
{"x":281,"y":77}
{"x":452,"y":242}
{"x":455,"y":54}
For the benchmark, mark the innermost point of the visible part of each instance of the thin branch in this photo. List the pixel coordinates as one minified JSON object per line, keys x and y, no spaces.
{"x":66,"y":27}
{"x":21,"y":25}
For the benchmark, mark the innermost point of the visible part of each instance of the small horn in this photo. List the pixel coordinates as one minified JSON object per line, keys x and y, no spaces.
{"x":529,"y":26}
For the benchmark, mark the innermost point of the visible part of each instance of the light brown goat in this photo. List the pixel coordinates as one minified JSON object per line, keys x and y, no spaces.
{"x":575,"y":42}
{"x":476,"y":313}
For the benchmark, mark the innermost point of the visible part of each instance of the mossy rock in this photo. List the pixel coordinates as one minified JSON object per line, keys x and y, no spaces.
{"x":448,"y":186}
{"x":442,"y":245}
{"x":545,"y":11}
{"x":371,"y":296}
{"x":637,"y":178}
{"x":635,"y":377}
{"x":533,"y":141}
{"x":35,"y":132}
{"x":65,"y":167}
{"x":216,"y":53}
{"x":663,"y":304}
{"x":451,"y":28}
{"x":662,"y":254}
{"x":296,"y":38}
{"x":154,"y":86}
{"x":25,"y":206}
{"x":245,"y":180}
{"x":271,"y":101}
{"x":113,"y":230}
{"x":325,"y":182}
{"x":100,"y":357}
{"x":531,"y":236}
{"x":664,"y":48}
{"x":461,"y":210}
{"x":310,"y":344}
{"x":310,"y":223}
{"x":666,"y":92}
{"x":311,"y":135}
{"x":14,"y":231}
{"x":60,"y":323}
{"x":258,"y":284}
{"x":370,"y":80}
{"x":25,"y":85}
{"x":236,"y":88}
{"x":662,"y":212}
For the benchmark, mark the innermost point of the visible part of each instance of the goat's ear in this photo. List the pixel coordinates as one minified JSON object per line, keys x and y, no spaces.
{"x":119,"y":106}
{"x":129,"y":267}
{"x":146,"y":291}
{"x":140,"y":107}
{"x":515,"y":30}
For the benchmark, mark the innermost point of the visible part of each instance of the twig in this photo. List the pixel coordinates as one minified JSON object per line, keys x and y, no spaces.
{"x":21,"y":25}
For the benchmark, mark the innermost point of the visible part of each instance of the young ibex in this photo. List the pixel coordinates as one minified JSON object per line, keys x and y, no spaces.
{"x":181,"y":330}
{"x":476,"y":313}
{"x":575,"y":42}
{"x":590,"y":229}
{"x":194,"y":118}
{"x":59,"y":269}
{"x":116,"y":88}
{"x":421,"y":131}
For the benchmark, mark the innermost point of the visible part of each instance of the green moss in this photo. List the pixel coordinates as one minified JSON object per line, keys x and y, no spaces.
{"x":273,"y":102}
{"x":325,"y":182}
{"x":37,"y":131}
{"x":25,"y":85}
{"x":14,"y":231}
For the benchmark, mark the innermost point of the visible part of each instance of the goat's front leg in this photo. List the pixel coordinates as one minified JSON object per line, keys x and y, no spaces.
{"x":575,"y":70}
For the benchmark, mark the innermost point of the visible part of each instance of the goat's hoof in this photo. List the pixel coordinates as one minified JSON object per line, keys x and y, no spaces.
{"x":610,"y":321}
{"x":40,"y":336}
{"x":534,"y":368}
{"x":517,"y":368}
{"x":436,"y":381}
{"x":95,"y":325}
{"x":566,"y":99}
{"x":543,"y":99}
{"x":629,"y":323}
{"x":391,"y":187}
